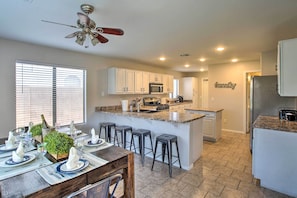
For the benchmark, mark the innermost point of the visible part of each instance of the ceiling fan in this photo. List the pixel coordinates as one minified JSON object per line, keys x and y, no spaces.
{"x":88,"y":29}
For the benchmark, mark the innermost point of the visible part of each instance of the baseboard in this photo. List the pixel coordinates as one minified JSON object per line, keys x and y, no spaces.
{"x":234,"y":131}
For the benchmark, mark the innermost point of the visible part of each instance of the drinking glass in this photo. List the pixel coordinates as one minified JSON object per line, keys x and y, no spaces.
{"x":41,"y":148}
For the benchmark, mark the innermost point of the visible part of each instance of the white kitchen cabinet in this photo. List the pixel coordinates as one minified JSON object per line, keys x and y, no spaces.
{"x":274,"y":160}
{"x":286,"y":67}
{"x":155,"y":78}
{"x":212,"y":123}
{"x":121,"y":81}
{"x":141,"y":82}
{"x":167,"y":83}
{"x":190,"y":89}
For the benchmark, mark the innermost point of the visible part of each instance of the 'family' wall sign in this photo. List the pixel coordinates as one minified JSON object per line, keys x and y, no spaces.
{"x":225,"y":85}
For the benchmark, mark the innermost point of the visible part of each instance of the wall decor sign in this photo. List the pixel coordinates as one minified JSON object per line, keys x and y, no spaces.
{"x":225,"y":85}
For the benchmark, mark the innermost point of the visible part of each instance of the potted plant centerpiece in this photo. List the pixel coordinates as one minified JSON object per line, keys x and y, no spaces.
{"x":36,"y":131}
{"x":58,"y":144}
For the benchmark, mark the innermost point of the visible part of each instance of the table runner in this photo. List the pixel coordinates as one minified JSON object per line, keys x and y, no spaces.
{"x":51,"y":176}
{"x":38,"y":162}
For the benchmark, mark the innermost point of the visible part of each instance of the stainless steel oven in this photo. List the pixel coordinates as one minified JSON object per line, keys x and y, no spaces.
{"x":156,"y":88}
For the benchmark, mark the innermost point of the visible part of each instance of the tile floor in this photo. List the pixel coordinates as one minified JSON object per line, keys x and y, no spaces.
{"x":223,"y":170}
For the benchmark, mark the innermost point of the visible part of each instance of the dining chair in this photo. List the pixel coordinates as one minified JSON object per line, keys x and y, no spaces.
{"x":99,"y":189}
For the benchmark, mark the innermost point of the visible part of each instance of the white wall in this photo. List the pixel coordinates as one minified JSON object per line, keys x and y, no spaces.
{"x":232,"y":101}
{"x":10,"y":51}
{"x":268,"y":63}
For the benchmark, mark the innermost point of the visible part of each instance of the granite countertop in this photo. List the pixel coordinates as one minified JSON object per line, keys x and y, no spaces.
{"x":176,"y":117}
{"x":204,"y":109}
{"x":274,"y":123}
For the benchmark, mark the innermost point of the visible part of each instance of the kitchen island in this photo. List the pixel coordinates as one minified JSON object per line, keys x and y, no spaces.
{"x":212,"y":122}
{"x":274,"y":154}
{"x":187,"y":127}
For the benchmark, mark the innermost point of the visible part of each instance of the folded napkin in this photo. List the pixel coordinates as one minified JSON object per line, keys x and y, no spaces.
{"x":18,"y":155}
{"x":9,"y":143}
{"x":95,"y":137}
{"x":73,"y":159}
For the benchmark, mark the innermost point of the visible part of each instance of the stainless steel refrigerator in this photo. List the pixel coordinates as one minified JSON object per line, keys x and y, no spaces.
{"x":265,"y":100}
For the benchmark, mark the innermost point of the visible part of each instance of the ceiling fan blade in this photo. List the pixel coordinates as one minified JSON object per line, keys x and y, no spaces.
{"x":114,"y":31}
{"x":84,"y":19}
{"x":73,"y":26}
{"x":101,"y":38}
{"x":74,"y":34}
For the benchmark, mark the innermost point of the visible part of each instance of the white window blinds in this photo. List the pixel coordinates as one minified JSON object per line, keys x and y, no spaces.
{"x":56,"y":92}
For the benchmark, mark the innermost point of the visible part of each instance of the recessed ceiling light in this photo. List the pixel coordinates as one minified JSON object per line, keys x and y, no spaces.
{"x":234,"y":60}
{"x":220,"y":49}
{"x":187,"y":65}
{"x":202,"y":59}
{"x":162,"y":58}
{"x":201,"y":69}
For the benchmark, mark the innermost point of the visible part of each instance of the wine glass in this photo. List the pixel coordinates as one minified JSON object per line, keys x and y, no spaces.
{"x":41,"y":148}
{"x":79,"y":143}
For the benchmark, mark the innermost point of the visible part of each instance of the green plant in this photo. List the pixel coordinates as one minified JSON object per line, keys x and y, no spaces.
{"x":58,"y":143}
{"x":36,"y":130}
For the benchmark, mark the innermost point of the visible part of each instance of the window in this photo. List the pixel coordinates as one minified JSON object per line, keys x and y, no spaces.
{"x":57,"y":92}
{"x":175,"y":88}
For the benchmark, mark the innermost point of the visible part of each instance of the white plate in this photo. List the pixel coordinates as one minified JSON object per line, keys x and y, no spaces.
{"x":99,"y":142}
{"x":9,"y":163}
{"x":5,"y":149}
{"x":81,"y":165}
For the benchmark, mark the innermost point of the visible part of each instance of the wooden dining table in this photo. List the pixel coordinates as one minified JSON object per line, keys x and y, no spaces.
{"x":31,"y":184}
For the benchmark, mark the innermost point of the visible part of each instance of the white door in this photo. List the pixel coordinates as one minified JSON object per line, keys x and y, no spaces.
{"x":204,"y":92}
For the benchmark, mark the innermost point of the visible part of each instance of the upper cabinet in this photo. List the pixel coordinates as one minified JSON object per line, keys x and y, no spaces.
{"x":141,"y":82}
{"x":167,"y":83}
{"x":287,"y":68}
{"x":121,"y":81}
{"x":155,"y":78}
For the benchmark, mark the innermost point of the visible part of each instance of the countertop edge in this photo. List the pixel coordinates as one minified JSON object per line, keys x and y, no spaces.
{"x":274,"y":123}
{"x":204,"y":109}
{"x":159,"y":116}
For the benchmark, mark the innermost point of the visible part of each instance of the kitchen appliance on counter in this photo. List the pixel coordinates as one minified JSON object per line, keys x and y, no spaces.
{"x":287,"y":114}
{"x":153,"y":104}
{"x":265,"y":100}
{"x":155,"y":88}
{"x":180,"y":99}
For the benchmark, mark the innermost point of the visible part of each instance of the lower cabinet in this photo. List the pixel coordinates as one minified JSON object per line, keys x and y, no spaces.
{"x":212,"y":124}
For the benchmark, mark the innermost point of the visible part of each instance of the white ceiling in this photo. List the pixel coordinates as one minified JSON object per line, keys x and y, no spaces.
{"x":155,"y":28}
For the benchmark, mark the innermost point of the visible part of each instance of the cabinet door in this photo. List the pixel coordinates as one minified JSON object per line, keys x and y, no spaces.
{"x":208,"y":127}
{"x":155,"y":78}
{"x":287,"y":67}
{"x":138,"y":82}
{"x":145,"y":82}
{"x":130,"y":81}
{"x":120,"y":80}
{"x":170,"y":84}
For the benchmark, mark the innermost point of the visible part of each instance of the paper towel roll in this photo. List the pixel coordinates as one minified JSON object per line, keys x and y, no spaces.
{"x":124,"y":105}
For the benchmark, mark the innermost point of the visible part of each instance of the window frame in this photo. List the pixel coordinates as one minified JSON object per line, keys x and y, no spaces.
{"x":53,"y":119}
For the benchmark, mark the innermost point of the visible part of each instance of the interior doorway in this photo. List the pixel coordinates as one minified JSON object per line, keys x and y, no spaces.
{"x":204,"y":93}
{"x":248,"y":80}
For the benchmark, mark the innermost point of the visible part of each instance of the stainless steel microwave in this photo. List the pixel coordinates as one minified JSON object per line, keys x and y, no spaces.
{"x":156,"y":88}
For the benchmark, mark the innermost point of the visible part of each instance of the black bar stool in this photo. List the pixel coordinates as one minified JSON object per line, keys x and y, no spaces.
{"x":107,"y":127}
{"x":141,"y":133}
{"x":166,"y":140}
{"x":123,"y":129}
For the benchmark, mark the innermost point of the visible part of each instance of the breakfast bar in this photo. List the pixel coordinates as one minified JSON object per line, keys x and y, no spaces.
{"x":187,"y":127}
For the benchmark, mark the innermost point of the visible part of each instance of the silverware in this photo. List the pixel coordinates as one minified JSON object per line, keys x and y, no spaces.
{"x":53,"y":174}
{"x":60,"y":174}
